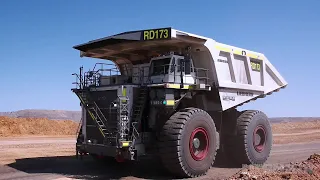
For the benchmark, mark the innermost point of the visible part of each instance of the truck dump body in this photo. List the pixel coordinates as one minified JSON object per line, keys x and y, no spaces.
{"x":240,"y":75}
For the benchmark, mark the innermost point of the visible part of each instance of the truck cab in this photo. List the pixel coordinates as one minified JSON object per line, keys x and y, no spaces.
{"x":172,"y":69}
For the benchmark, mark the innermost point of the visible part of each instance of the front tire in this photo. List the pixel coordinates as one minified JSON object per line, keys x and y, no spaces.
{"x":188,"y":143}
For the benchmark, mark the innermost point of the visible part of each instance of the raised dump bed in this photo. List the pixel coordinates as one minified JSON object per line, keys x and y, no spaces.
{"x":180,"y":90}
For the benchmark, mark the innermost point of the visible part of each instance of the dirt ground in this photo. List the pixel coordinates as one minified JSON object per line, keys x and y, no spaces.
{"x":296,"y":132}
{"x":29,"y":146}
{"x":52,"y":157}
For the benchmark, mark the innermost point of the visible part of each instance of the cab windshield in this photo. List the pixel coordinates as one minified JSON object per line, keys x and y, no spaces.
{"x":160,"y":66}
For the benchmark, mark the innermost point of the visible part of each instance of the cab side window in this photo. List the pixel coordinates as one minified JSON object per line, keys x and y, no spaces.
{"x":173,"y":63}
{"x":187,"y":66}
{"x":180,"y":65}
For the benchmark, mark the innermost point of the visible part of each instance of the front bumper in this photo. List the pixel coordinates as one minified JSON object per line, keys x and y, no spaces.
{"x":103,"y":150}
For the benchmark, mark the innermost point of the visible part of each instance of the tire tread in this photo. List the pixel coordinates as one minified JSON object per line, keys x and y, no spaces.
{"x":172,"y":130}
{"x":241,"y":155}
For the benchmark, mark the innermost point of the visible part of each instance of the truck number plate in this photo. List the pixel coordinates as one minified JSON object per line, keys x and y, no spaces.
{"x":156,"y":34}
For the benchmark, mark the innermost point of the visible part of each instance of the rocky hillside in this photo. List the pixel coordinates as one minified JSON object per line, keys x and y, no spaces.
{"x":49,"y":114}
{"x":293,"y":119}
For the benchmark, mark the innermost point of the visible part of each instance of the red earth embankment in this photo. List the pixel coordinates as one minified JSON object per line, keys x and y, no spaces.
{"x":287,"y":132}
{"x":11,"y":127}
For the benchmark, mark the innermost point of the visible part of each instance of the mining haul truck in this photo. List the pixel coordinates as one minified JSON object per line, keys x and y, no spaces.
{"x":174,"y":95}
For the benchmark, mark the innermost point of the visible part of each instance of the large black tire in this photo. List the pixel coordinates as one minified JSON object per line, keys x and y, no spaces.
{"x":176,"y":146}
{"x":252,"y":141}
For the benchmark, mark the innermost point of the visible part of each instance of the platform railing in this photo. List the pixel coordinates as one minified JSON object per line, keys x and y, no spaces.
{"x":79,"y":79}
{"x":138,"y":75}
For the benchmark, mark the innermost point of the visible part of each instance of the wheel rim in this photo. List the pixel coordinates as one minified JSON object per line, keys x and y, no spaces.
{"x":199,"y":144}
{"x":259,"y":138}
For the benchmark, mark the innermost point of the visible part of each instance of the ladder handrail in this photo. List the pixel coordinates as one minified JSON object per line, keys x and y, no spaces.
{"x":79,"y":128}
{"x":97,"y":109}
{"x":135,"y":132}
{"x":92,"y":116}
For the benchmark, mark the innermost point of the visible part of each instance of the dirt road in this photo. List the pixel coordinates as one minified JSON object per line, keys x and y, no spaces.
{"x":25,"y":158}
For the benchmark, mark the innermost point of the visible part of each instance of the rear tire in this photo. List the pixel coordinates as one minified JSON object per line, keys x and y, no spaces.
{"x":187,"y":132}
{"x":252,"y":142}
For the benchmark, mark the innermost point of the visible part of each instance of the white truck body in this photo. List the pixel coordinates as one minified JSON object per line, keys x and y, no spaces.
{"x":240,"y":75}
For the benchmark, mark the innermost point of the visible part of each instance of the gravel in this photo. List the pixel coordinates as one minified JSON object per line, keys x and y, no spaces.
{"x":305,"y":170}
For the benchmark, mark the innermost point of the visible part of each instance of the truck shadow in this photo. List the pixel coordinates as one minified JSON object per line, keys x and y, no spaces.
{"x":88,"y":168}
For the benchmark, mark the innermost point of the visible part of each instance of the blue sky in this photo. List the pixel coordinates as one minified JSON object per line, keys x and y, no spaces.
{"x":37,"y":59}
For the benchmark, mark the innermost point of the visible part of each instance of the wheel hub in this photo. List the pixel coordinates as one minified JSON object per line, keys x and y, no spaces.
{"x":259,"y":138}
{"x":196,"y":143}
{"x":199,"y":144}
